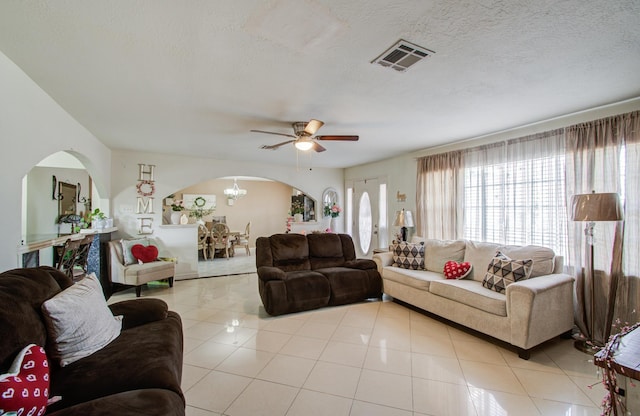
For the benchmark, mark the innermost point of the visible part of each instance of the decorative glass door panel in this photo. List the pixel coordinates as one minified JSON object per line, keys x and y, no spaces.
{"x":365,"y":221}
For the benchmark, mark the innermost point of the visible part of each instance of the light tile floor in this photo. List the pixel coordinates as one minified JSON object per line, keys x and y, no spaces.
{"x":240,"y":263}
{"x":372,"y":358}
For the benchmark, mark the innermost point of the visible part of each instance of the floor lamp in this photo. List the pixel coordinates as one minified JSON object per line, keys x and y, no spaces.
{"x":592,"y":208}
{"x":404,"y":219}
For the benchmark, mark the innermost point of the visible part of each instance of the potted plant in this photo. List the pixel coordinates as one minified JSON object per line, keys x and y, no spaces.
{"x":98,"y":219}
{"x":198,"y":210}
{"x":176,"y":211}
{"x":332,"y":211}
{"x":297,"y":209}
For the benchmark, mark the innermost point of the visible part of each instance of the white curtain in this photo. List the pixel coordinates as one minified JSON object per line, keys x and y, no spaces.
{"x":518,"y":191}
{"x":627,"y":299}
{"x":439,"y":213}
{"x":602,"y":156}
{"x":514,"y":191}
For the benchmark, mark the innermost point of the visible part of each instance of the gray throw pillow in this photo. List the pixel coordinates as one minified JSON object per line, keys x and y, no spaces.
{"x":79,"y":322}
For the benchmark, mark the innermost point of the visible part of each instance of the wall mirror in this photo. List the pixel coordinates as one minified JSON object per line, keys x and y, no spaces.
{"x":329,"y":197}
{"x":66,"y":199}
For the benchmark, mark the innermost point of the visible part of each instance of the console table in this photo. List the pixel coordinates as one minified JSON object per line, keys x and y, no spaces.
{"x":31,"y":245}
{"x":626,"y":365}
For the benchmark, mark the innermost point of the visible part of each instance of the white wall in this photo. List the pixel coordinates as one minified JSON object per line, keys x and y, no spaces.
{"x":33,"y":126}
{"x":173,"y":173}
{"x":42,"y":209}
{"x":401,"y":171}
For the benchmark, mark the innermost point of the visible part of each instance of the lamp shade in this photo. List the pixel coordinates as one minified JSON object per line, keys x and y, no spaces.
{"x":403,"y":219}
{"x":596,"y":207}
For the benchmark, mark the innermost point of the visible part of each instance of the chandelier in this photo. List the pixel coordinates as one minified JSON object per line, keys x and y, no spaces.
{"x":235,"y":192}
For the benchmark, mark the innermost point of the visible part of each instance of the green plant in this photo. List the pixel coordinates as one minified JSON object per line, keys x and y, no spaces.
{"x":98,"y":215}
{"x":178,"y":205}
{"x":332,"y":210}
{"x":297,"y":207}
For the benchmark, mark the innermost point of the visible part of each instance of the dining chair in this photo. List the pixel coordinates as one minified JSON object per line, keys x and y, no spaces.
{"x":242,"y":240}
{"x":72,"y":257}
{"x":220,"y":239}
{"x":203,"y":240}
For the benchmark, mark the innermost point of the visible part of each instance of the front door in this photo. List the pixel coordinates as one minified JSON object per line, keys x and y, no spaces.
{"x":365,"y":210}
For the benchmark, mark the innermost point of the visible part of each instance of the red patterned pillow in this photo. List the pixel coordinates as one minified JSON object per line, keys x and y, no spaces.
{"x":145,"y":254}
{"x":25,"y":388}
{"x":455,"y":270}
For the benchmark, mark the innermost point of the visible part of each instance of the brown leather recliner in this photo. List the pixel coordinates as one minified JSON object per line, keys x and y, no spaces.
{"x":301,"y":272}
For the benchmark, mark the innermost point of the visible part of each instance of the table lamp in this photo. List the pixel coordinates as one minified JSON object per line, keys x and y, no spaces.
{"x":404,"y":219}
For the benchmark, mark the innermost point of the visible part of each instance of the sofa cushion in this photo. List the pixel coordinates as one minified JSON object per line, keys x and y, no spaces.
{"x":134,"y":402}
{"x":503,"y":271}
{"x":290,"y":252}
{"x":471,"y":293}
{"x":137,"y":274}
{"x":143,"y":357}
{"x":306,"y":289}
{"x":420,"y":279}
{"x":349,"y":285}
{"x":543,"y":257}
{"x":79,"y":322}
{"x":22,"y":291}
{"x":479,"y":254}
{"x":438,"y":252}
{"x":325,"y":250}
{"x":408,"y":255}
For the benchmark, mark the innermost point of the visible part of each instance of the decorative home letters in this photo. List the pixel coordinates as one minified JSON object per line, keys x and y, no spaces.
{"x":145,"y":190}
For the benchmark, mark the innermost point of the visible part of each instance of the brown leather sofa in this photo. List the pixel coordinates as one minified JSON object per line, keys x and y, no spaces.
{"x":301,"y":272}
{"x":138,"y":373}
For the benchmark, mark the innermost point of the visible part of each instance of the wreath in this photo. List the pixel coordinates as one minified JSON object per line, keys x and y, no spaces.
{"x":148,"y":190}
{"x":199,"y":202}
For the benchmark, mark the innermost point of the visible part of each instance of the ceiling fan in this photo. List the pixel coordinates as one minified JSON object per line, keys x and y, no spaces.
{"x":303,"y":137}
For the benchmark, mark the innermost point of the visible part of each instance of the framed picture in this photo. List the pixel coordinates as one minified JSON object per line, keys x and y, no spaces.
{"x":199,"y":201}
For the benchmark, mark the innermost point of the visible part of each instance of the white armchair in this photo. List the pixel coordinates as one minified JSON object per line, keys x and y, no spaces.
{"x":137,"y":274}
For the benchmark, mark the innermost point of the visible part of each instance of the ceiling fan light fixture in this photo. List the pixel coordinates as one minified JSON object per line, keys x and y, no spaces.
{"x":303,"y":144}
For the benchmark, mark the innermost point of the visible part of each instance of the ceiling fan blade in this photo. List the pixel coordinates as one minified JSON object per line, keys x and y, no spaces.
{"x":275,"y":146}
{"x":343,"y":138}
{"x":313,"y":126}
{"x":271,"y":132}
{"x":317,"y":147}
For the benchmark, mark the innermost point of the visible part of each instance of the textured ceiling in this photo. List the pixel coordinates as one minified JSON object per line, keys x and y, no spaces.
{"x":193,"y":77}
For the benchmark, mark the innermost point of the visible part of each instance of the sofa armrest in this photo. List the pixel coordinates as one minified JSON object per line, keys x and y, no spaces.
{"x":266,"y":273}
{"x":542,"y":305}
{"x":383,"y":260}
{"x":139,"y":311}
{"x":362,"y":264}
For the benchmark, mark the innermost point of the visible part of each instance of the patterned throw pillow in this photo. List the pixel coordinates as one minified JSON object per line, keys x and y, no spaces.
{"x":455,"y":270}
{"x":408,"y":255}
{"x":24,"y":389}
{"x":503,"y":271}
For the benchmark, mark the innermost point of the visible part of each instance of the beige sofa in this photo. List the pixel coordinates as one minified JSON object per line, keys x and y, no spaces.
{"x":529,"y":313}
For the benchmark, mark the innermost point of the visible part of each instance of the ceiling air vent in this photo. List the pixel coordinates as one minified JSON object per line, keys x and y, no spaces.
{"x":402,"y":55}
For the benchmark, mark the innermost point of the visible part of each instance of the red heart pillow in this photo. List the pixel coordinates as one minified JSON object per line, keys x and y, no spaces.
{"x":455,"y":270}
{"x":25,"y":388}
{"x":145,"y":254}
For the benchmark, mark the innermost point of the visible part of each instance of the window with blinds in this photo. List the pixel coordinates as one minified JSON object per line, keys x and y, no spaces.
{"x":520,"y":202}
